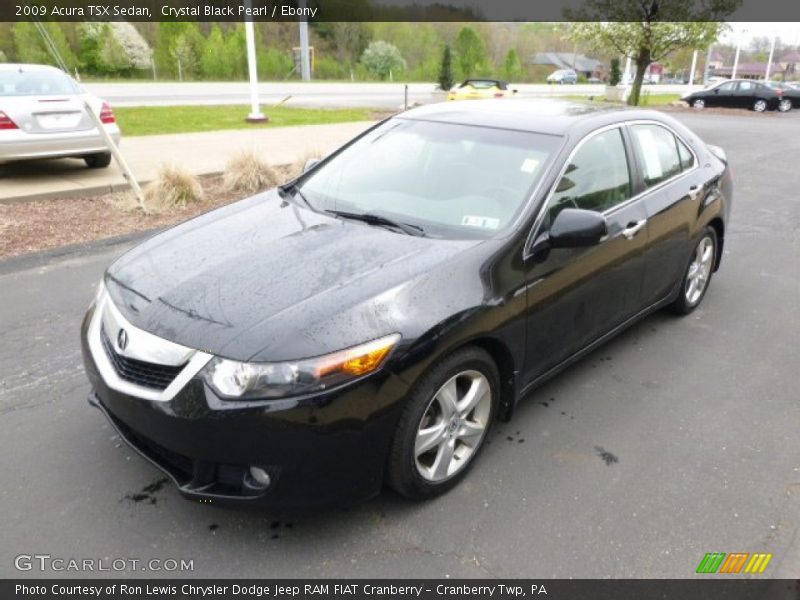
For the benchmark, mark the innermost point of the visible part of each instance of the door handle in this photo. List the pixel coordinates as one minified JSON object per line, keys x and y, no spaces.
{"x":633,"y":228}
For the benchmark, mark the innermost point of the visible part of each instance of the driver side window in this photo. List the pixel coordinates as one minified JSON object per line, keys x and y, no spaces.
{"x":597,"y":177}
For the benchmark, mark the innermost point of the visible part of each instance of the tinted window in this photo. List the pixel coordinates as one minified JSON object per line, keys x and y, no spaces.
{"x":746,"y":86}
{"x":597,"y":177}
{"x":659,"y":153}
{"x":727,"y":87}
{"x":687,"y":158}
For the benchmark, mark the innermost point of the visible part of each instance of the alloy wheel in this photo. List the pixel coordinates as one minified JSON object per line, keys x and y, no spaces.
{"x":453,"y":426}
{"x":699,"y":270}
{"x":699,"y":104}
{"x":785,"y":105}
{"x":760,"y":105}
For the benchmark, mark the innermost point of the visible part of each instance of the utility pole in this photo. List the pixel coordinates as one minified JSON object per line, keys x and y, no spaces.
{"x":694,"y":66}
{"x":771,"y":55}
{"x":305,"y":62}
{"x":255,"y":116}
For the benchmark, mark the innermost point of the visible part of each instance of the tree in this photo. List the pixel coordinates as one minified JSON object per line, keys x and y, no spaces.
{"x":512,"y":67}
{"x":470,"y":52}
{"x":381,"y":58}
{"x":112,"y":48}
{"x":213,"y":60}
{"x":446,"y":80}
{"x":31,"y":47}
{"x":648,"y":30}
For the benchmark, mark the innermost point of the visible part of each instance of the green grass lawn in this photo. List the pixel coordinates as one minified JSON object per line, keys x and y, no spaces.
{"x":152,"y":120}
{"x":645,"y":100}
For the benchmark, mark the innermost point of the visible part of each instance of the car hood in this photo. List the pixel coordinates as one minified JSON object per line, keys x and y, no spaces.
{"x":267,"y":280}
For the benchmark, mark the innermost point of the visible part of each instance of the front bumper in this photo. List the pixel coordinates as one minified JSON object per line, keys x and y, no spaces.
{"x":329,"y":448}
{"x":20,"y":145}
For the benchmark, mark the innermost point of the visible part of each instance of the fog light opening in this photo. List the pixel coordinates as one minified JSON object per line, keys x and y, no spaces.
{"x":257,"y":478}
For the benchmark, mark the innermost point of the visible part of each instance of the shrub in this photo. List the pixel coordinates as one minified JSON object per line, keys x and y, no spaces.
{"x":446,"y":79}
{"x":173,"y":187}
{"x":615,"y":75}
{"x":382,"y":59}
{"x":247,"y":172}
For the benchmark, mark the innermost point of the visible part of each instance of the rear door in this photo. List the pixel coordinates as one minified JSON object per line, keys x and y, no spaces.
{"x":745,"y":94}
{"x":673,"y":186}
{"x":575,"y":295}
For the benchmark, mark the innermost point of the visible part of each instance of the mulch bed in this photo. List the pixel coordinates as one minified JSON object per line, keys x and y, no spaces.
{"x":33,"y":226}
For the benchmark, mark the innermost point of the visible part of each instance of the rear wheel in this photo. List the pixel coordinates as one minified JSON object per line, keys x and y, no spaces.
{"x":98,"y":161}
{"x":760,"y":105}
{"x":699,"y":103}
{"x":444,"y":424}
{"x":698,"y":274}
{"x":785,"y":105}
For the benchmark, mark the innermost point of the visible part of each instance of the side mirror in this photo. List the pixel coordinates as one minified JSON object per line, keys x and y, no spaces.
{"x":310,"y":164}
{"x":577,"y":228}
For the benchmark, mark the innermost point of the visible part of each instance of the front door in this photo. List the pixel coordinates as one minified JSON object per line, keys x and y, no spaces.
{"x":575,"y":295}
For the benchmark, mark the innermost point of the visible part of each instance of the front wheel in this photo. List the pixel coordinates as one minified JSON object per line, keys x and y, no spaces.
{"x":760,"y":105}
{"x":444,"y":424}
{"x":785,"y":105}
{"x":699,"y":104}
{"x":698,"y":274}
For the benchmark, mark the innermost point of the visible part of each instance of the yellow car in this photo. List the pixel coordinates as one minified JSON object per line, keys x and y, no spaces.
{"x":475,"y":89}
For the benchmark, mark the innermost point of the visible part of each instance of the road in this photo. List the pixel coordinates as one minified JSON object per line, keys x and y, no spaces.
{"x":679,"y":437}
{"x":311,"y":94}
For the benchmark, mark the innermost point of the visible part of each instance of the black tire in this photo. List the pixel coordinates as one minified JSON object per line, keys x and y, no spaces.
{"x":682,"y":304}
{"x":98,"y":161}
{"x":699,"y":103}
{"x":761,"y":105}
{"x":402,"y":473}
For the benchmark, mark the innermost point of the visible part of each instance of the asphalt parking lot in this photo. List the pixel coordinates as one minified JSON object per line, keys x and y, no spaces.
{"x":679,"y":437}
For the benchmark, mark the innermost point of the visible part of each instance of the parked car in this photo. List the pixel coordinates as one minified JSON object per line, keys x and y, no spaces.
{"x":791,"y":95}
{"x":563,"y":76}
{"x":675,"y":81}
{"x":594,"y":80}
{"x":736,"y":93}
{"x":478,"y":89}
{"x":43,"y":115}
{"x":387,"y":316}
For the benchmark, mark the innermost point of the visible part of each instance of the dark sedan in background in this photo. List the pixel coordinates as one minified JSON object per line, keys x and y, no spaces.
{"x":790,"y":93}
{"x":738,"y":93}
{"x":367,"y":322}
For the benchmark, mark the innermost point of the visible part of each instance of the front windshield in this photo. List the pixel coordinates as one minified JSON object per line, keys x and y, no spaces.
{"x":450,"y":180}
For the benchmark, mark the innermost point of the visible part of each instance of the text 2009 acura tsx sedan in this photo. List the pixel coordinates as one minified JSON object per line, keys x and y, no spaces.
{"x":367,"y":322}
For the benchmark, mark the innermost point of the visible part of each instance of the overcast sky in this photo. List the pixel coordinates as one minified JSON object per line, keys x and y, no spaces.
{"x":788,"y":32}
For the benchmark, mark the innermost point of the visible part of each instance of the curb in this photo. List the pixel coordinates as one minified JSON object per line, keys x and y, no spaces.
{"x":97,"y":190}
{"x":24,"y":262}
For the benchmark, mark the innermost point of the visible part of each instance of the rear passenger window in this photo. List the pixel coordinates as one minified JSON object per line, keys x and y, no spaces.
{"x":687,"y":158}
{"x":659,"y":153}
{"x":597,"y":177}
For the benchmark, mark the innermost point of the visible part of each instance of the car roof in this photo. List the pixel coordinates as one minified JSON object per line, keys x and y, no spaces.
{"x":554,"y":117}
{"x":27,"y":67}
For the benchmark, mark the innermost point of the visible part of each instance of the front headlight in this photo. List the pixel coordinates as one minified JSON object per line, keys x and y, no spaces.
{"x":238,"y":380}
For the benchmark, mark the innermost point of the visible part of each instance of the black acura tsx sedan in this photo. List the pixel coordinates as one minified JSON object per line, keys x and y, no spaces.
{"x":366,"y":323}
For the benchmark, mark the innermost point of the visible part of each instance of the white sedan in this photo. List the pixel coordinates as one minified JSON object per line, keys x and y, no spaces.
{"x":43,"y":115}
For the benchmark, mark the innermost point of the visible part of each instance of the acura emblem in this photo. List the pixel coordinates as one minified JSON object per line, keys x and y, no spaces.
{"x":122,"y":339}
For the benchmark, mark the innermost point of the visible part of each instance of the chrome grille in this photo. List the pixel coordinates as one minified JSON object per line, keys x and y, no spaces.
{"x":145,"y":374}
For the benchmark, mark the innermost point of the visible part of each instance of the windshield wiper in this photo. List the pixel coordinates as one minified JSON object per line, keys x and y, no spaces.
{"x":373,"y":219}
{"x":294,"y":189}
